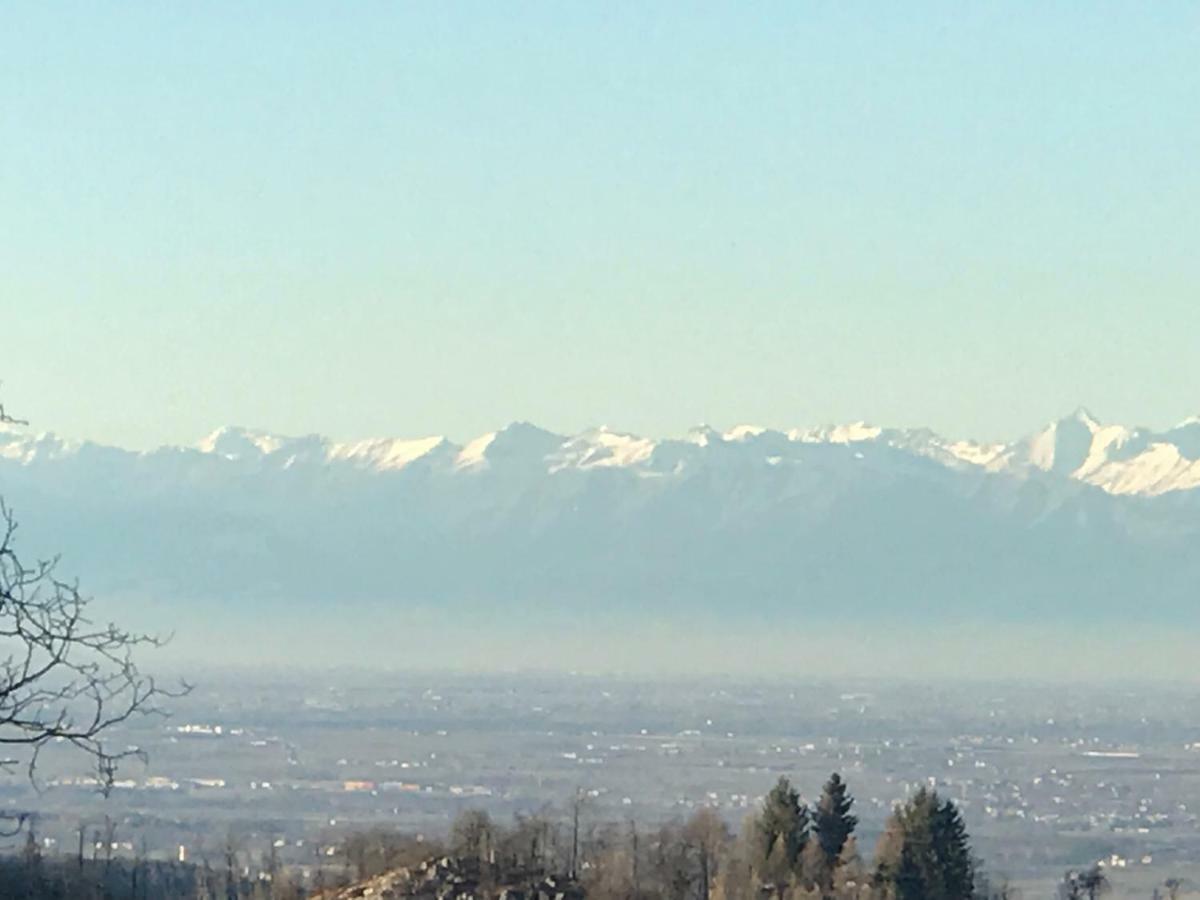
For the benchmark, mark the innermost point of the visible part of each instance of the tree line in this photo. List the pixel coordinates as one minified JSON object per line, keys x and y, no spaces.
{"x":787,"y":850}
{"x":790,"y":850}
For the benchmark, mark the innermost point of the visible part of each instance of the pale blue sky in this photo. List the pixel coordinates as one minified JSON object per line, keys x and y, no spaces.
{"x":415,"y":218}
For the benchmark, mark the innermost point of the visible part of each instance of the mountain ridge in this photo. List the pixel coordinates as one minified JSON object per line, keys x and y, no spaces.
{"x":1118,"y":459}
{"x":1078,"y":521}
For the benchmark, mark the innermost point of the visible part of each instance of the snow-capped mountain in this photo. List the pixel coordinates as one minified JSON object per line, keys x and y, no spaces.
{"x":854,"y":517}
{"x":1115,"y":458}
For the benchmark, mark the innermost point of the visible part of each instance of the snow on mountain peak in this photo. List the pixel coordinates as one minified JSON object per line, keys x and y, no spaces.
{"x":473,"y":454}
{"x":235,"y":442}
{"x":1084,"y":417}
{"x":744,"y":432}
{"x":388,"y":453}
{"x":518,"y":442}
{"x":852,"y":433}
{"x":601,"y":447}
{"x":1065,"y":444}
{"x":25,"y":448}
{"x":703,"y":435}
{"x":1115,"y":458}
{"x":1078,"y":447}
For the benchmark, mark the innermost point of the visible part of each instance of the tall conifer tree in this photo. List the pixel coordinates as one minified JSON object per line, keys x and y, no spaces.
{"x":925,"y":853}
{"x":783,"y":825}
{"x":832,"y":821}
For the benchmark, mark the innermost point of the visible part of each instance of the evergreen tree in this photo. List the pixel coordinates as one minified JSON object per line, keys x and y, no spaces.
{"x":832,"y":821}
{"x":952,"y":850}
{"x":783,"y":829}
{"x":925,"y":853}
{"x":913,"y":877}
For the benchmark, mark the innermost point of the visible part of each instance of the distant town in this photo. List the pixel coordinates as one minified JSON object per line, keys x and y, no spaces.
{"x":286,"y":769}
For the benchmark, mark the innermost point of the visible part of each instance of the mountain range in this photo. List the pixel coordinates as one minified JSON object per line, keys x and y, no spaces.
{"x":1077,"y":521}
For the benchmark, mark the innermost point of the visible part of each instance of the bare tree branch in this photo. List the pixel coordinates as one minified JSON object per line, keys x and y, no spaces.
{"x":6,"y":419}
{"x":63,"y":677}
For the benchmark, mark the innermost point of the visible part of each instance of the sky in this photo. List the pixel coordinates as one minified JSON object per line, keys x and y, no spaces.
{"x":407,"y":219}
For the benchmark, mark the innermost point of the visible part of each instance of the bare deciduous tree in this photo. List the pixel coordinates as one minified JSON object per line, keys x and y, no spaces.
{"x":63,"y":677}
